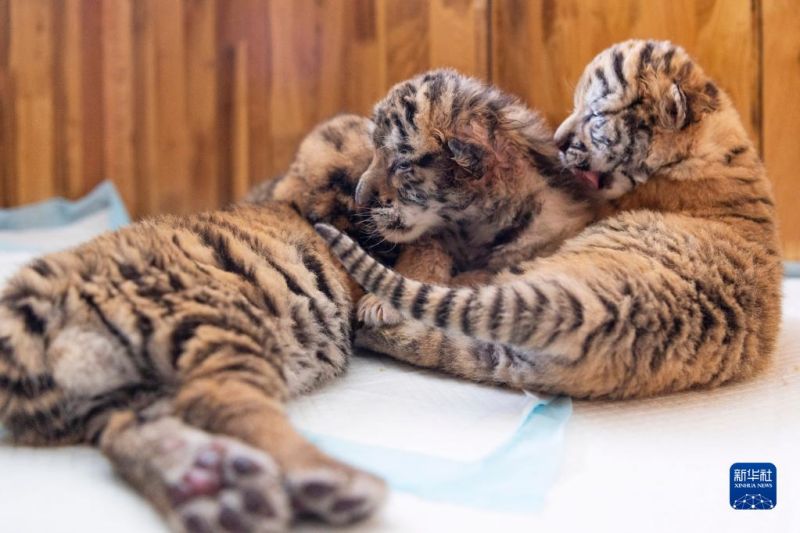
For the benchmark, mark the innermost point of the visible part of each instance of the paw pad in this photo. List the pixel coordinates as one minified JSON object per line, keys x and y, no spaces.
{"x":337,"y":494}
{"x":227,"y":486}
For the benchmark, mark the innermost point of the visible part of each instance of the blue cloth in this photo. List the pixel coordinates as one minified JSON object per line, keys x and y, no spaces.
{"x":51,"y":215}
{"x":58,"y":211}
{"x":515,"y":477}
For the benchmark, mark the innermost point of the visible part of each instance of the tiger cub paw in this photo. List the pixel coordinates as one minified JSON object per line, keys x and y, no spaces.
{"x":336,"y":493}
{"x":220,"y":484}
{"x":374,"y":312}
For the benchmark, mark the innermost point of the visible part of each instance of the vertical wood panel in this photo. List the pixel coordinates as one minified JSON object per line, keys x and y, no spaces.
{"x":248,"y":21}
{"x":360,"y":53}
{"x":781,"y":91}
{"x":91,"y":100}
{"x":240,"y":126}
{"x":117,"y":69}
{"x":71,"y":167}
{"x":145,"y":137}
{"x":540,"y":47}
{"x":171,"y":188}
{"x":406,"y":24}
{"x":201,"y":101}
{"x":7,"y":128}
{"x":186,"y":103}
{"x":59,"y":98}
{"x":295,"y":42}
{"x":31,"y":65}
{"x":460,"y":38}
{"x":153,"y":94}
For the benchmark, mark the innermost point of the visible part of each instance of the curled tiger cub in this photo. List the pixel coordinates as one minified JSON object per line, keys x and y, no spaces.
{"x":320,"y":183}
{"x":677,"y":287}
{"x":172,"y":345}
{"x":468,"y":167}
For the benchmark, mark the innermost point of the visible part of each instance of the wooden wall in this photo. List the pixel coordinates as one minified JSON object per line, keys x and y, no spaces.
{"x":185,"y":103}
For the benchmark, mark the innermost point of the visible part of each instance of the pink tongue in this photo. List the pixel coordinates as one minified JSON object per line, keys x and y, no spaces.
{"x":590,"y":177}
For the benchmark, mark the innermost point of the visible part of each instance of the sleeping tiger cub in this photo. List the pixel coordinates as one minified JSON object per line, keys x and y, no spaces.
{"x":472,"y":170}
{"x":172,"y":345}
{"x":677,"y":288}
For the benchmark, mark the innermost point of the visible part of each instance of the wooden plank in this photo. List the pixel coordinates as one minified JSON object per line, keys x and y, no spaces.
{"x":240,"y":127}
{"x":88,"y":105}
{"x":413,"y":36}
{"x":540,"y":47}
{"x":169,"y":190}
{"x":145,"y":136}
{"x":361,"y":62}
{"x":332,"y":65}
{"x":315,"y":75}
{"x":781,"y":85}
{"x":70,"y":164}
{"x":406,"y":25}
{"x":460,"y":38}
{"x":31,"y":62}
{"x":7,"y":127}
{"x":293,"y":42}
{"x":59,"y":98}
{"x":201,"y":100}
{"x":117,"y":68}
{"x":250,"y":21}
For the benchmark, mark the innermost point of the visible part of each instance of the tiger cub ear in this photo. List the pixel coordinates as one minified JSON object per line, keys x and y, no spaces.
{"x":673,"y":108}
{"x":683,"y":104}
{"x":467,"y":155}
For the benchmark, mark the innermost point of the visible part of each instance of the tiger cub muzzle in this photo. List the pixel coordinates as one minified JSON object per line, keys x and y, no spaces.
{"x":395,"y":195}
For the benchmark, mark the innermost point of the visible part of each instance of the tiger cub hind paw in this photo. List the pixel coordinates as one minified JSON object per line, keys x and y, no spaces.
{"x":337,"y":494}
{"x":223,"y":485}
{"x":374,"y":312}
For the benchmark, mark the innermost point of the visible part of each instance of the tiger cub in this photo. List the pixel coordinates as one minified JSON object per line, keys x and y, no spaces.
{"x":173,"y":344}
{"x":321,"y":181}
{"x":320,"y":185}
{"x":678,"y":287}
{"x":468,"y":167}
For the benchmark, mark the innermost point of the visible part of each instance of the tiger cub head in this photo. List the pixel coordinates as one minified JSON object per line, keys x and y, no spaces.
{"x":450,"y":149}
{"x":639,"y":108}
{"x":321,"y":181}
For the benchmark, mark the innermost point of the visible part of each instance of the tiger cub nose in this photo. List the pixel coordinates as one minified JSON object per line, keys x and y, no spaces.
{"x":365,"y":194}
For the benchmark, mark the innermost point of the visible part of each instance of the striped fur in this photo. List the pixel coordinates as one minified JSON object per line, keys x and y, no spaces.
{"x":678,"y":287}
{"x":152,"y":340}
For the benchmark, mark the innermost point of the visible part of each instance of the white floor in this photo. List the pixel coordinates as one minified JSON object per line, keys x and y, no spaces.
{"x":655,"y":465}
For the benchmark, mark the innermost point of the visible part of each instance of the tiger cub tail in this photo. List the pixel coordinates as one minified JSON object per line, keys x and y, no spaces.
{"x":493,"y":313}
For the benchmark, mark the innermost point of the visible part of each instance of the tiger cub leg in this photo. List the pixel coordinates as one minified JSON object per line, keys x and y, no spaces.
{"x":428,"y":347}
{"x":200,"y":482}
{"x":477,"y":360}
{"x":247,"y":404}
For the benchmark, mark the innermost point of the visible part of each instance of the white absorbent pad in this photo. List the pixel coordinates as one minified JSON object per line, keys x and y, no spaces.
{"x":658,"y":465}
{"x":429,"y":435}
{"x":438,"y":437}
